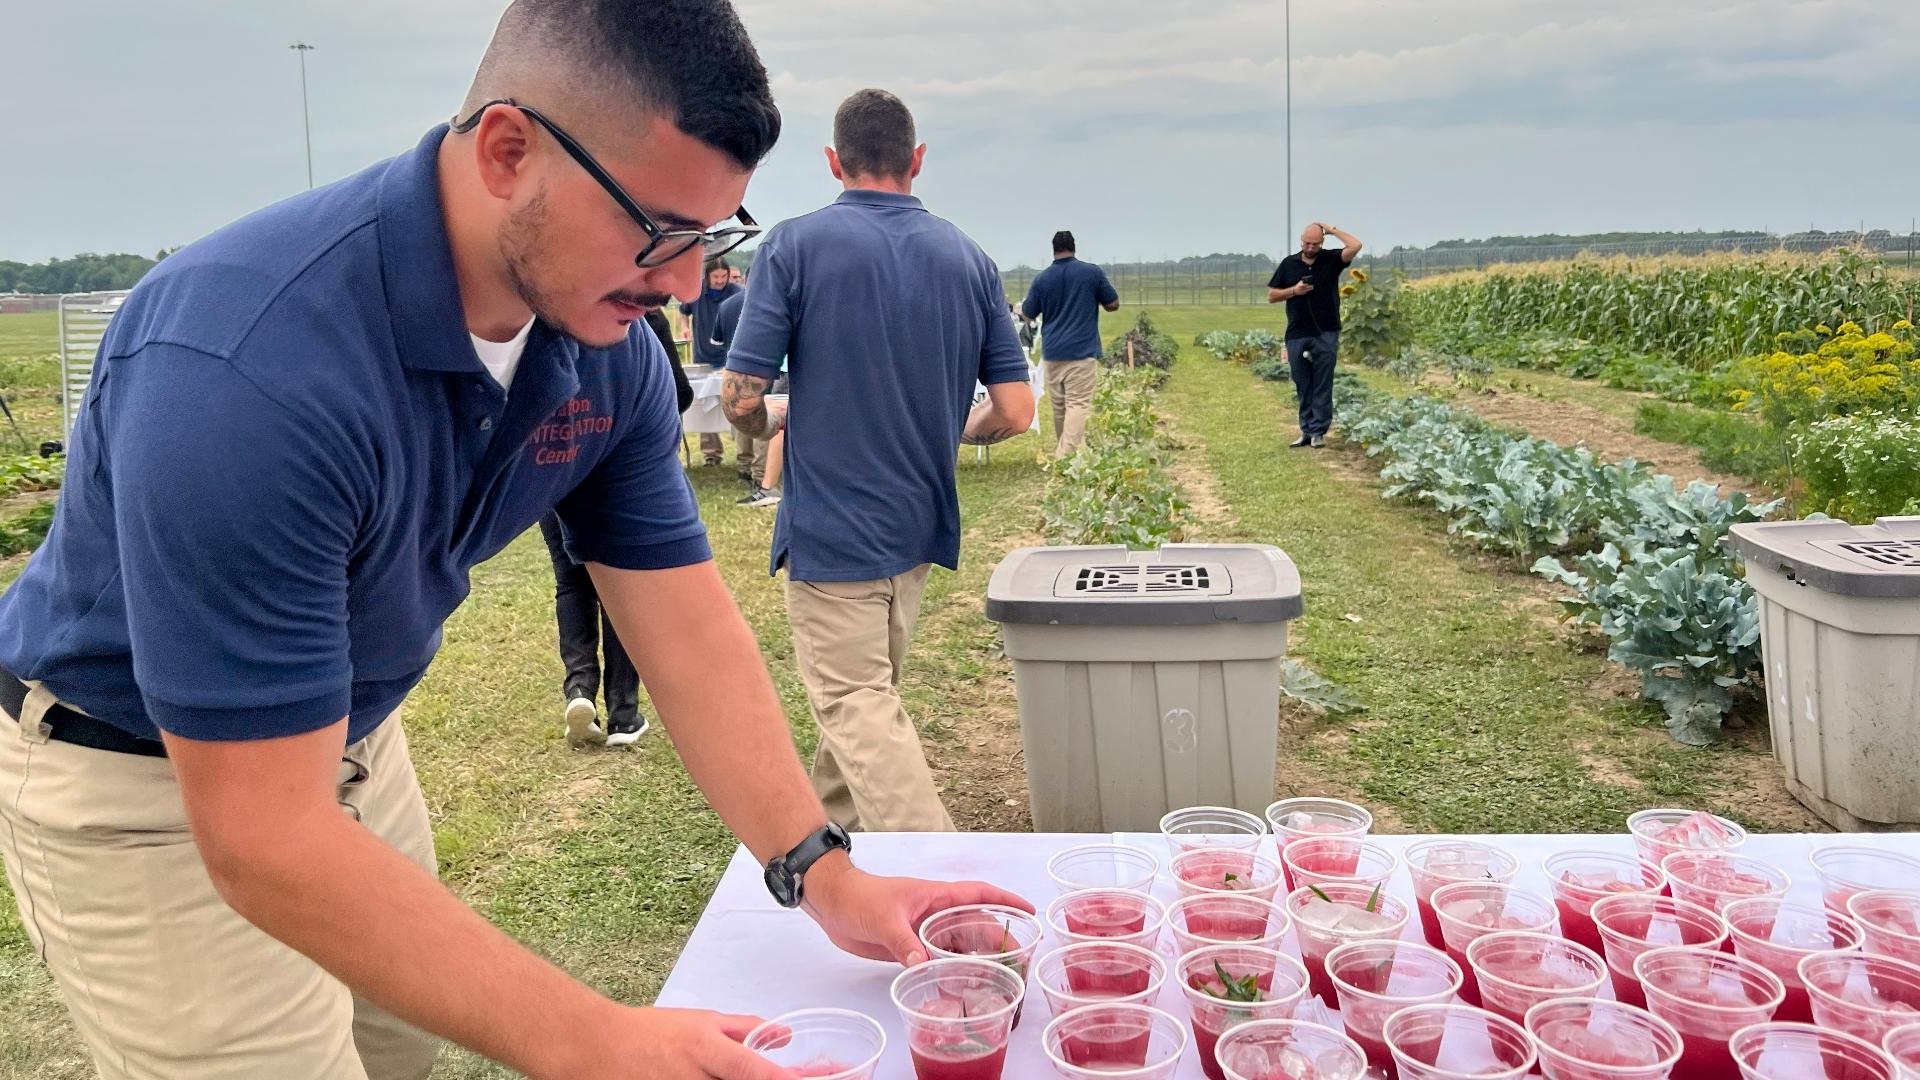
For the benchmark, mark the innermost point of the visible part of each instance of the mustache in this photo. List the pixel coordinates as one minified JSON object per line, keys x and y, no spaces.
{"x":641,"y":300}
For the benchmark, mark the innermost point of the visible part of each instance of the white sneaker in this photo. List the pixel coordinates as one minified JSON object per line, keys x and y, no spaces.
{"x":628,"y":733}
{"x":583,"y":724}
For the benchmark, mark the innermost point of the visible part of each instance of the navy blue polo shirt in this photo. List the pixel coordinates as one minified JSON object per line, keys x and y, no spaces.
{"x":706,"y":319}
{"x":1069,"y":295}
{"x":727,"y":318}
{"x":887,"y":316}
{"x":290,"y":457}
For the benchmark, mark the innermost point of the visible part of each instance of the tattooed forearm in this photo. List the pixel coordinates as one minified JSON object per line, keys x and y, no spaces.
{"x":989,"y":436}
{"x":743,"y":398}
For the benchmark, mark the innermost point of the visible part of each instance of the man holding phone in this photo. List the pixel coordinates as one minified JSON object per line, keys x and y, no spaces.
{"x":1309,"y":281}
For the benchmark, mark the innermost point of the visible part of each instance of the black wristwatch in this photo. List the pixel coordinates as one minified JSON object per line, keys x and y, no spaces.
{"x":786,"y":874}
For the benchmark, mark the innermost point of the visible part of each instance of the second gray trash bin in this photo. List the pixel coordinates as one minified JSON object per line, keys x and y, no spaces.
{"x":1148,"y":680}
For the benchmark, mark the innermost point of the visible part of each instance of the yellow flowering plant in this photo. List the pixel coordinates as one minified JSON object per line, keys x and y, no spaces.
{"x":1825,"y":372}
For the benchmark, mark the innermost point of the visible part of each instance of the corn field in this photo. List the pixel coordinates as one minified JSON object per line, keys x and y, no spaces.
{"x":1699,"y":310}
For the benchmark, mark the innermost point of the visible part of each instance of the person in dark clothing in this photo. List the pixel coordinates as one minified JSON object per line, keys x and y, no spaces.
{"x":1067,"y":297}
{"x":1309,"y":281}
{"x":662,"y":329}
{"x":698,"y":318}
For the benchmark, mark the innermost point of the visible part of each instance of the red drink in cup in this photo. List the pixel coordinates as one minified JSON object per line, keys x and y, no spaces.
{"x":1321,"y":859}
{"x":1434,"y":863}
{"x":1659,"y":833}
{"x":1633,"y":923}
{"x":1375,"y":979}
{"x":1289,"y":1050}
{"x":1212,"y":827}
{"x":1782,"y":1051}
{"x":1889,"y":922}
{"x":821,"y":1044}
{"x":1469,"y":910}
{"x":1133,"y":1041}
{"x":1582,"y":877}
{"x":1328,"y":916}
{"x":1299,"y":819}
{"x":1103,"y":866}
{"x":1715,"y":879}
{"x":1591,"y":1039}
{"x":1230,"y":985}
{"x":1862,"y":995}
{"x":1226,"y":919}
{"x":1517,"y":970}
{"x":1846,"y":870}
{"x":1902,"y":1044}
{"x":1707,"y":996}
{"x":1004,"y":935}
{"x":1458,"y":1042}
{"x":1099,"y":973}
{"x":1225,"y":871}
{"x":1107,"y":915}
{"x":1778,"y":935}
{"x":958,"y":1014}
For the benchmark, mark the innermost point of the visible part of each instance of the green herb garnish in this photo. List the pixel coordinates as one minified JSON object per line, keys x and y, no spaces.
{"x":1245,"y":988}
{"x":1373,"y":902}
{"x":1315,"y":890}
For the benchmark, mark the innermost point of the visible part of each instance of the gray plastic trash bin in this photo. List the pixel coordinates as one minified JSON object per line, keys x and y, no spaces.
{"x":1148,"y":680}
{"x":1840,"y":638}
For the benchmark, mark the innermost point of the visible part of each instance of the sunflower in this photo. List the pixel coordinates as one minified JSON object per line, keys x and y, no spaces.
{"x":1360,"y":276}
{"x":1349,"y":290}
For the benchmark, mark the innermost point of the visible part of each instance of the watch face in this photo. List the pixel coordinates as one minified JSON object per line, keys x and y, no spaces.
{"x":781,"y":884}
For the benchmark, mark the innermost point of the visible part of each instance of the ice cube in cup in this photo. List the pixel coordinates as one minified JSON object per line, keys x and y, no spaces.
{"x":1593,"y":1039}
{"x":1103,"y":866}
{"x":1298,"y":819}
{"x":1321,"y":859}
{"x":1889,"y":921}
{"x":1784,"y":1051}
{"x":1375,"y":979}
{"x":821,"y":1044}
{"x":1328,"y":916}
{"x":1289,"y":1050}
{"x":1902,"y":1044}
{"x":1226,"y":919}
{"x":1861,"y":994}
{"x":1225,"y":870}
{"x":1583,"y":876}
{"x":1847,"y":869}
{"x":1659,"y":833}
{"x":1212,"y":826}
{"x":1107,"y":915}
{"x":1517,"y":970}
{"x":1458,"y":1042}
{"x":1777,"y":935}
{"x":1111,"y":1041}
{"x":1229,"y":985}
{"x":1714,"y":879}
{"x":958,"y":1013}
{"x":1633,"y":923}
{"x":1707,"y":995}
{"x":1433,"y":863}
{"x":1100,"y":972}
{"x":1467,"y":910}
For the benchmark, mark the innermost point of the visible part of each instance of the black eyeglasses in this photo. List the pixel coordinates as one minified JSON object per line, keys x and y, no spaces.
{"x":663,"y":245}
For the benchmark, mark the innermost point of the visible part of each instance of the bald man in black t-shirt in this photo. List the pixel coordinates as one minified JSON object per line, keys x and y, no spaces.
{"x":1309,"y":282}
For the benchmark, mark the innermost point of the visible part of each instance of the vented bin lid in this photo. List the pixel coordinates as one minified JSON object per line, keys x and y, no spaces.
{"x":1177,"y":585}
{"x":1882,"y":559}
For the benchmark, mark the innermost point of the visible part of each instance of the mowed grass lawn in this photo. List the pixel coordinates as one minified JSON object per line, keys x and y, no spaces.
{"x":1482,"y":718}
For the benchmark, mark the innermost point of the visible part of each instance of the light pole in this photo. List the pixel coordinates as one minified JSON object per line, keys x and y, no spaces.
{"x":306,"y":121}
{"x":1287,"y":36}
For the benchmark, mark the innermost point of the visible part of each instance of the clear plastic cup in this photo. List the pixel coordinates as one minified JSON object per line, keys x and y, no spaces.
{"x":1591,"y":1039}
{"x":958,"y":1014}
{"x":1633,"y":923}
{"x":1469,"y":910}
{"x":1458,"y":1042}
{"x":1328,"y":916}
{"x":1375,"y":979}
{"x":1100,"y":973}
{"x":1433,"y":863}
{"x":821,"y":1044}
{"x":1212,"y":826}
{"x":1226,"y":919}
{"x":1289,"y":1050}
{"x":1104,"y":1042}
{"x":1337,"y":858}
{"x":1862,"y":995}
{"x":1778,"y":935}
{"x":1103,"y":866}
{"x":1902,"y":1044}
{"x":1659,"y":833}
{"x":1517,"y":970}
{"x":1204,"y":977}
{"x":1889,"y":922}
{"x":1847,"y":869}
{"x":1107,"y":915}
{"x":1004,"y":935}
{"x":1582,"y":877}
{"x":1714,"y":879}
{"x":1298,"y":819}
{"x":1707,"y":996}
{"x":1225,"y":871}
{"x":1782,"y":1051}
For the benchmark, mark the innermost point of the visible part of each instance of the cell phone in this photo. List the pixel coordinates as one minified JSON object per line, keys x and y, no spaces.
{"x":1308,"y":284}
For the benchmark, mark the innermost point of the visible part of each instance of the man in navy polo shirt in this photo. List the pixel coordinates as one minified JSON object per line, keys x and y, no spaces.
{"x":302,"y":433}
{"x":1068,"y":297}
{"x":887,"y":316}
{"x":699,"y":318}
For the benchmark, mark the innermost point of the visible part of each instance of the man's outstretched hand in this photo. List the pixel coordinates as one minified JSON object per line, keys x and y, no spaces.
{"x":879,"y":917}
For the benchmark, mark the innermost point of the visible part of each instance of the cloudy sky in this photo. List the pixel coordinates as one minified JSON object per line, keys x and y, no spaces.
{"x":1153,"y":128}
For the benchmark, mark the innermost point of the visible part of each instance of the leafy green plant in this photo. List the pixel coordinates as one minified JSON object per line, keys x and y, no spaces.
{"x":1858,"y":468}
{"x":1310,"y":688}
{"x":1116,"y":489}
{"x":1374,"y":325}
{"x":1727,"y":442}
{"x":31,"y":472}
{"x":26,"y":531}
{"x":1143,"y":346}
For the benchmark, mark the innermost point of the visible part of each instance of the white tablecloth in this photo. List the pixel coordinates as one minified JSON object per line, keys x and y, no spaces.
{"x":704,"y":417}
{"x":747,"y":955}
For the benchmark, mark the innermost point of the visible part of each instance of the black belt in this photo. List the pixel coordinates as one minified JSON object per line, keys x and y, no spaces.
{"x":67,"y":726}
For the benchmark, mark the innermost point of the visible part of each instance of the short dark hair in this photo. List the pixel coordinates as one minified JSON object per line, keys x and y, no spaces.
{"x":1063,"y":241}
{"x":690,"y":61}
{"x":873,"y":134}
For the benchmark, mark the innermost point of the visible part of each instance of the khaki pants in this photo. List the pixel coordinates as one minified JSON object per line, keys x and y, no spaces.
{"x":162,"y":978}
{"x":712,"y":447}
{"x":850,"y":640}
{"x":1070,"y":385}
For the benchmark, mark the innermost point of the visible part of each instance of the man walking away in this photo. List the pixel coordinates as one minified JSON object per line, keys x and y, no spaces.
{"x":1309,"y":281}
{"x":754,"y":453}
{"x":1067,"y":297}
{"x":698,"y":318}
{"x":887,"y":316}
{"x":587,"y":634}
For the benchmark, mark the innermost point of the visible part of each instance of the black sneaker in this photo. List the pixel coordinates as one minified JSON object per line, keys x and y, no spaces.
{"x":1319,"y":442}
{"x":626,"y":732}
{"x":1299,"y":443}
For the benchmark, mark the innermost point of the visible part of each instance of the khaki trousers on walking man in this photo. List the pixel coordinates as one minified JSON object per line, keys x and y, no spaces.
{"x":1070,"y":384}
{"x":850,"y":642}
{"x":116,"y":900}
